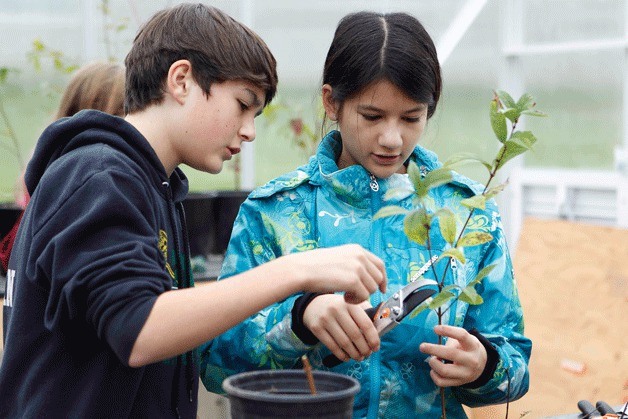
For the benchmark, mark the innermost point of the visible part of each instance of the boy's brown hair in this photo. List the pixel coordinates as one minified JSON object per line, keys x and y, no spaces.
{"x":218,"y":47}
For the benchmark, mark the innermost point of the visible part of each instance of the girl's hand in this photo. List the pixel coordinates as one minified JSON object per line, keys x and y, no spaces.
{"x":344,"y":328}
{"x":466,"y":353}
{"x":349,"y":268}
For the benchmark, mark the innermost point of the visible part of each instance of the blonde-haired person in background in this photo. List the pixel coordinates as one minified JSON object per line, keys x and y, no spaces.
{"x":96,"y":85}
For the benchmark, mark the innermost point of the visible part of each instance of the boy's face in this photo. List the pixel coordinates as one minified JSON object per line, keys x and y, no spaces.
{"x":216,"y":125}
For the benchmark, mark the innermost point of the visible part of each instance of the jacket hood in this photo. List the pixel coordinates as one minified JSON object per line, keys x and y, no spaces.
{"x":90,"y":127}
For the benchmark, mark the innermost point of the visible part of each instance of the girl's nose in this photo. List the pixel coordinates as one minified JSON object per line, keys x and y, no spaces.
{"x":391,"y":137}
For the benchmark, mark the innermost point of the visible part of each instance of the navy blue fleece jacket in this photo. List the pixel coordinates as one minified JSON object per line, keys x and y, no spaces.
{"x":101,"y":239}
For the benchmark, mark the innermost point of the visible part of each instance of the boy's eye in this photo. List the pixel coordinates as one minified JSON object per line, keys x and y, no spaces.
{"x":243,"y":106}
{"x":412,"y":119}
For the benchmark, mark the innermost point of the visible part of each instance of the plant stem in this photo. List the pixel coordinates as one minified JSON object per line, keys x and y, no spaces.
{"x":16,"y":144}
{"x":439,"y":314}
{"x":308,"y":373}
{"x":441,"y":282}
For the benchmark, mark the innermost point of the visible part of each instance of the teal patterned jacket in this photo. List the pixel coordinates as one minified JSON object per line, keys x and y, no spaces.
{"x":320,"y":206}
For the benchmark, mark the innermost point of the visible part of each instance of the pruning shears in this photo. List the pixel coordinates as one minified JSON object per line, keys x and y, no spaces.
{"x":389,"y":313}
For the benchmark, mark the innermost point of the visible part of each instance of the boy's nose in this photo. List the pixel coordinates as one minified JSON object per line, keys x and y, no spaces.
{"x":247,"y":131}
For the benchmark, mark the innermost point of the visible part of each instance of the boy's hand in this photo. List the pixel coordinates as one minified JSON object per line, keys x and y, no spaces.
{"x":344,"y":328}
{"x":348,"y":268}
{"x":466,"y":353}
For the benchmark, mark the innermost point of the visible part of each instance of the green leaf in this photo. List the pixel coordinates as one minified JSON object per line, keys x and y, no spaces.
{"x":474,"y":238}
{"x":447,"y":223}
{"x":437,"y":177}
{"x":420,"y":308}
{"x":498,"y":122}
{"x":454,"y":253}
{"x":482,"y":274}
{"x":389,"y":211}
{"x":534,"y":112}
{"x":414,"y":174}
{"x":470,"y":296}
{"x":397,"y":193}
{"x":416,"y":225}
{"x":38,"y":46}
{"x":509,"y":150}
{"x":440,"y":299}
{"x":524,"y":138}
{"x":525,"y":102}
{"x":491,"y":192}
{"x":476,"y":201}
{"x":512,"y":114}
{"x":464,"y":157}
{"x":4,"y":72}
{"x":506,"y":99}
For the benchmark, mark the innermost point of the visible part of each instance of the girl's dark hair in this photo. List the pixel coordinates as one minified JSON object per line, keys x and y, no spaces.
{"x":369,"y":46}
{"x":218,"y":47}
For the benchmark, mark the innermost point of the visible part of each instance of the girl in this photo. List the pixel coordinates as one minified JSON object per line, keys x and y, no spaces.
{"x":381,"y":83}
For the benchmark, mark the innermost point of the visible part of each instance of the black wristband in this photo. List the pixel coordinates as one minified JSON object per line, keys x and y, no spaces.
{"x":299,"y":329}
{"x":492,"y":359}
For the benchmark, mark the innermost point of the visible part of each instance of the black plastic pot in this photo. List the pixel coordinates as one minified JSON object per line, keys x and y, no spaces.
{"x":210,"y":218}
{"x":286,"y":394}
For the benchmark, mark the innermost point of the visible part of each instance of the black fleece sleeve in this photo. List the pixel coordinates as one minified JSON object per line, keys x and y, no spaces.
{"x":100,"y":245}
{"x":299,"y":329}
{"x":492,"y":358}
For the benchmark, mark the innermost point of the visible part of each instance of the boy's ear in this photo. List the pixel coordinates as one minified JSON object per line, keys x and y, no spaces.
{"x":179,"y":80}
{"x":330,"y":105}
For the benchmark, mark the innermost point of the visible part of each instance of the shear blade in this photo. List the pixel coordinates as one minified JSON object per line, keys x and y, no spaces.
{"x":415,"y":299}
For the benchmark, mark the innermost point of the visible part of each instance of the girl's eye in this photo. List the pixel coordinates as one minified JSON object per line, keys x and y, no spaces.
{"x":243,"y":106}
{"x":370,"y":117}
{"x":413,"y":119}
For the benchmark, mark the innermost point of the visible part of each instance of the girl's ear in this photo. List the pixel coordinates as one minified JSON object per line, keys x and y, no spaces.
{"x":330,"y":105}
{"x":179,"y":80}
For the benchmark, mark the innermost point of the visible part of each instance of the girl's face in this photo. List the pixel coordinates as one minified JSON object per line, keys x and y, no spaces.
{"x":380,"y":126}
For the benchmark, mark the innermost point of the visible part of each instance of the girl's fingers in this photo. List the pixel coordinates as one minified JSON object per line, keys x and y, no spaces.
{"x":343,"y":342}
{"x":327,"y":340}
{"x":351,"y":332}
{"x":366,"y":328}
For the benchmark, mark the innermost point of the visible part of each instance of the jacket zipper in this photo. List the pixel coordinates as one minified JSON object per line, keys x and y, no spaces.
{"x":375,"y":364}
{"x":373,"y":183}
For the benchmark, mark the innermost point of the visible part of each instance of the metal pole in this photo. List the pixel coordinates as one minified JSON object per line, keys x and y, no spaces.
{"x":621,"y":152}
{"x":511,"y":80}
{"x":247,"y":157}
{"x":458,"y":27}
{"x":89,"y":33}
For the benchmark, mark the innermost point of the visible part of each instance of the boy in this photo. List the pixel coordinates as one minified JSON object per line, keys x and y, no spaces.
{"x":98,"y":323}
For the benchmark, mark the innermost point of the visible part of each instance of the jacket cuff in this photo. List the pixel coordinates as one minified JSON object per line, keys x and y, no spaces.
{"x":492,"y":359}
{"x":298,"y":328}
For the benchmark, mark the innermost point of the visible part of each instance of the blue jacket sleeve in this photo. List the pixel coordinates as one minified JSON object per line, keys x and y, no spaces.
{"x":500,"y":319}
{"x":264,"y":340}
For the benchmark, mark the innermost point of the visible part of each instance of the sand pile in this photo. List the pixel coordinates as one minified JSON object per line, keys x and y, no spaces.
{"x":573,"y":284}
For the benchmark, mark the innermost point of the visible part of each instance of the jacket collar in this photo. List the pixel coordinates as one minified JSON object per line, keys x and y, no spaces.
{"x":353,"y":184}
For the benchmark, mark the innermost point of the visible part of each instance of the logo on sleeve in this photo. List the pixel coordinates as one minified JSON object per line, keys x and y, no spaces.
{"x":8,"y":294}
{"x":163,"y":248}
